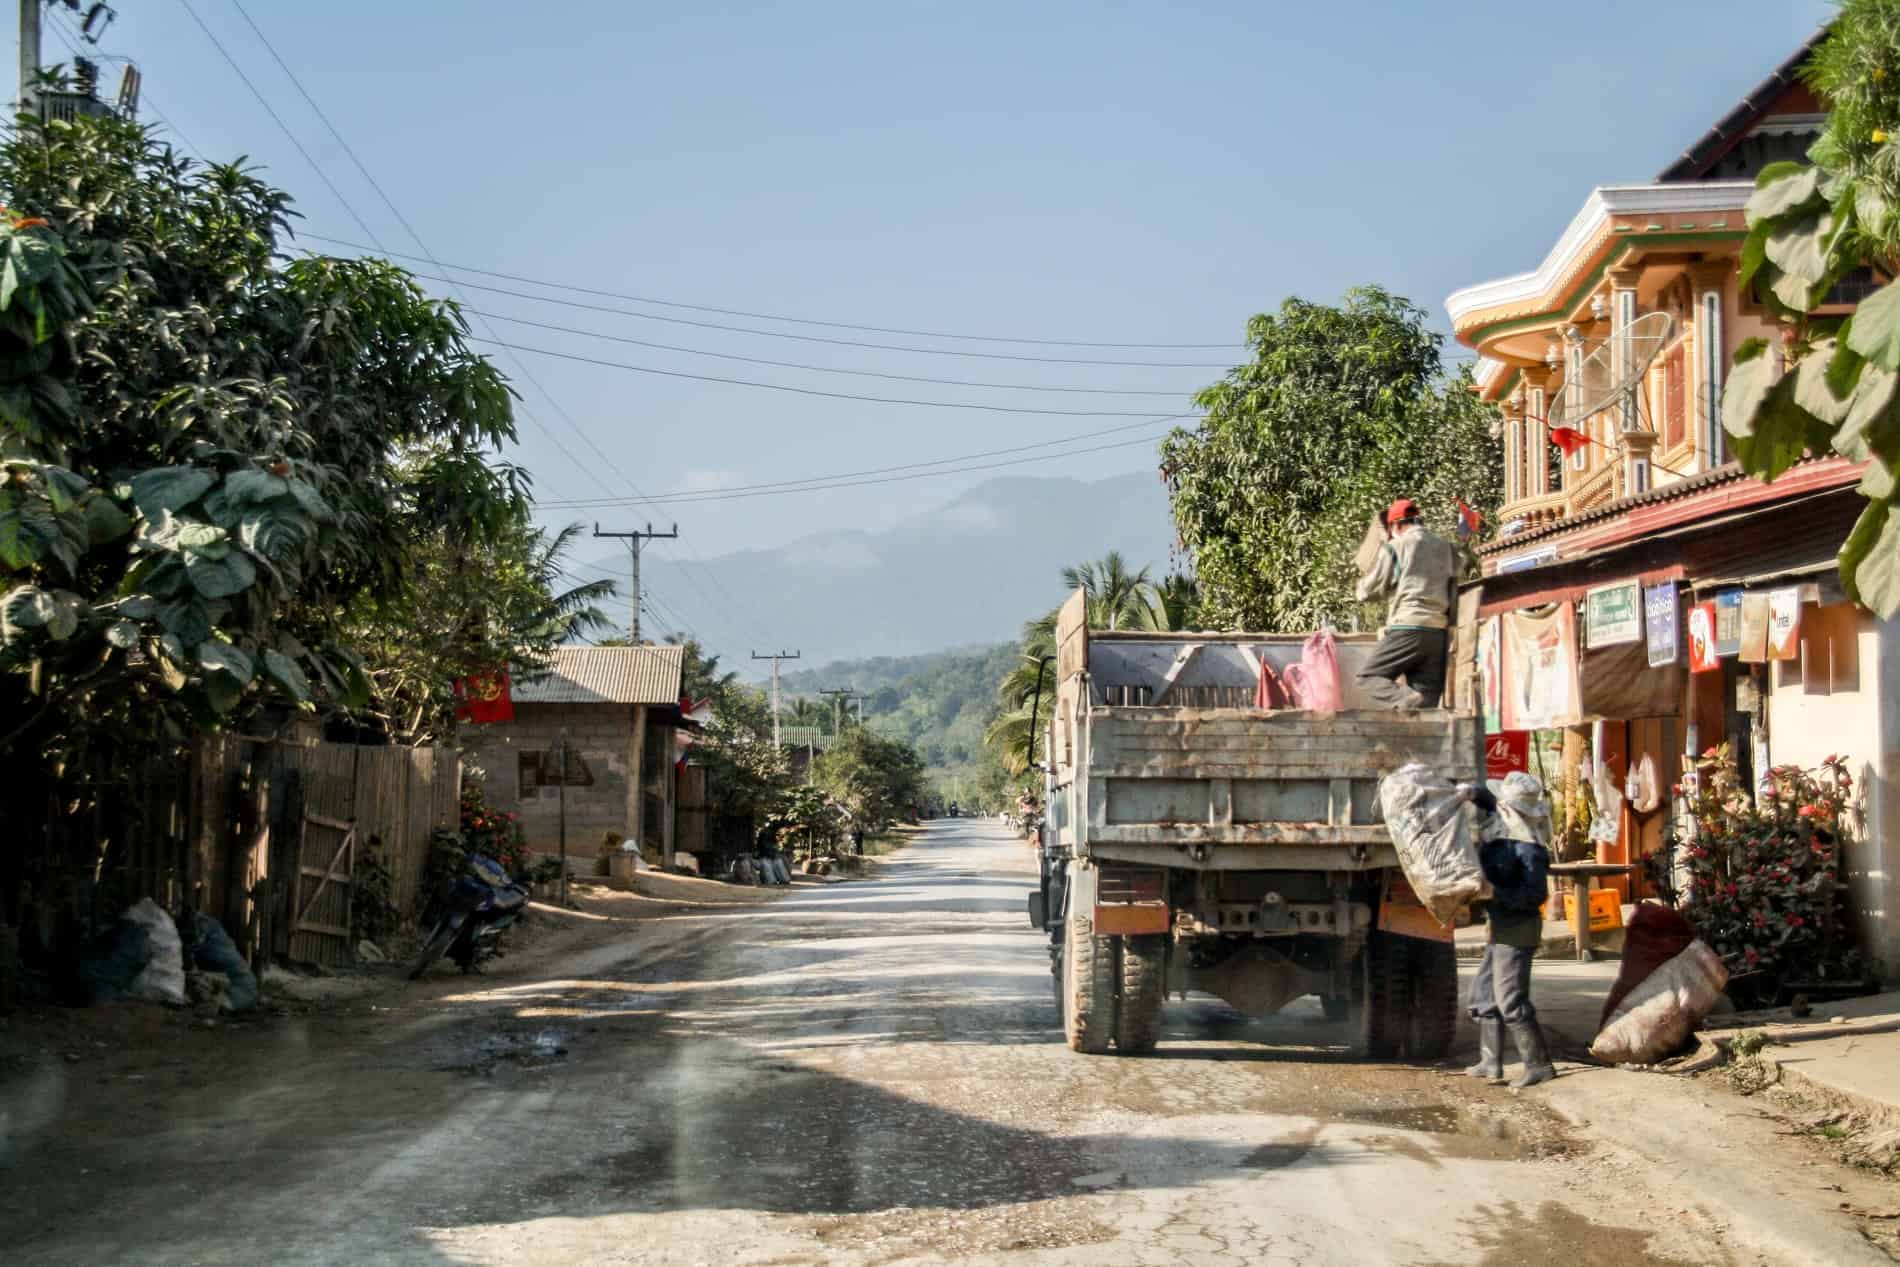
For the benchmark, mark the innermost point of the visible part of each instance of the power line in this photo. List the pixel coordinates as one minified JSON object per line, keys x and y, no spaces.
{"x":772,"y":316}
{"x":815,"y":391}
{"x":685,"y":494}
{"x":822,"y":369}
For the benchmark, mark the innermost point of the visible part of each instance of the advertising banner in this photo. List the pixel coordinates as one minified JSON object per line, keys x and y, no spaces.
{"x":1702,"y":656}
{"x":1662,"y":622}
{"x":1612,"y":615}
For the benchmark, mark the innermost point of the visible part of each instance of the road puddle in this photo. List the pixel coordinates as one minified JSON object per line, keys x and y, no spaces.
{"x":493,"y":1053}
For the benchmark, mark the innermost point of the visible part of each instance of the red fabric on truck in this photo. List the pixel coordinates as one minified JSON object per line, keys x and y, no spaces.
{"x":1656,"y":934}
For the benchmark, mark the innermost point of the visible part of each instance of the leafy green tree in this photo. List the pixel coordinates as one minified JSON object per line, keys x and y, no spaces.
{"x":1118,"y":598}
{"x":1339,"y":411}
{"x":875,"y":778}
{"x":211,"y":451}
{"x":1809,"y":226}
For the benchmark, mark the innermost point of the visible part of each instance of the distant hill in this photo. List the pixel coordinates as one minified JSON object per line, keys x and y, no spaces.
{"x":939,"y":702}
{"x":968,"y":572}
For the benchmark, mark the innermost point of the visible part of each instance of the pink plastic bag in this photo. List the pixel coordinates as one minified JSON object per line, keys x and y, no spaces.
{"x":1314,"y":681}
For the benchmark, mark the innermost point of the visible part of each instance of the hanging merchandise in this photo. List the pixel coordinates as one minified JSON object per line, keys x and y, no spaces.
{"x":1662,"y":620}
{"x":1540,"y":669}
{"x":1728,"y":623}
{"x":1613,"y":614}
{"x":1491,"y":673}
{"x":1702,"y":656}
{"x":1754,"y":630}
{"x":1641,"y":787}
{"x":1784,"y":624}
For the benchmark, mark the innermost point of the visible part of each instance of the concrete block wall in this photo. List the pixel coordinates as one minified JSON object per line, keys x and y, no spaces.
{"x":599,"y":734}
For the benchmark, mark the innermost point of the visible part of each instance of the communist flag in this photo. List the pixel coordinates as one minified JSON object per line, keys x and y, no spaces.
{"x":484,"y":697}
{"x":1567,"y":440}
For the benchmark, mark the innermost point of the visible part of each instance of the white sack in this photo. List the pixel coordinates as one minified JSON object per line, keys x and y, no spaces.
{"x":1435,"y":839}
{"x":163,"y":978}
{"x":1658,"y":1016}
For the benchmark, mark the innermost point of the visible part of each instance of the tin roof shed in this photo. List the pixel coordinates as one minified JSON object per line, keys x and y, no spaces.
{"x":607,"y":675}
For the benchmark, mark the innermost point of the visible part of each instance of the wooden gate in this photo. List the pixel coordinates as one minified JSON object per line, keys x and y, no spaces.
{"x":320,"y":897}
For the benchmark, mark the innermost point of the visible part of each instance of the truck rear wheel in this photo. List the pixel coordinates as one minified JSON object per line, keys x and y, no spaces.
{"x":1432,"y":1022}
{"x":1144,"y":971}
{"x":1385,"y":974}
{"x":1088,"y":981}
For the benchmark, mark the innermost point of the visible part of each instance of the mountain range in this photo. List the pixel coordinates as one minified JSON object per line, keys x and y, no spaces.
{"x":966,"y":573}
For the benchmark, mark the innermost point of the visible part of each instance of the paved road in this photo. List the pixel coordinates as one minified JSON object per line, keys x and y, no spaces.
{"x":860,"y":1073}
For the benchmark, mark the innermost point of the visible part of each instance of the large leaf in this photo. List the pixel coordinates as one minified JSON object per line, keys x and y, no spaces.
{"x":254,"y":486}
{"x":1876,"y":331}
{"x":169,"y":488}
{"x":1798,"y":246}
{"x":1843,"y":367}
{"x":217,"y":656}
{"x":220,"y":577}
{"x":1812,"y":390}
{"x":1746,"y":392}
{"x":105,"y":522}
{"x":1783,"y":190}
{"x":1870,"y":560}
{"x":283,"y":670}
{"x":123,"y":634}
{"x":1872,"y":423}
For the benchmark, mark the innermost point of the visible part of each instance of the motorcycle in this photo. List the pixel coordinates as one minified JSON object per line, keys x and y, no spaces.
{"x":470,"y":916}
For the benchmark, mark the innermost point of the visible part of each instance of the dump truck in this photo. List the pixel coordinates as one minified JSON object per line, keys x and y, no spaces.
{"x":1193,"y":841}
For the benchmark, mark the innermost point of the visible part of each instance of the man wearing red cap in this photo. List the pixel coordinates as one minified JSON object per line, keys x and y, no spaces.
{"x":1419,"y":571}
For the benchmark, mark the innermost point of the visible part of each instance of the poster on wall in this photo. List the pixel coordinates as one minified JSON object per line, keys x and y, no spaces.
{"x":1540,"y":669}
{"x":1491,"y":674}
{"x":1728,"y":623}
{"x":1662,"y":619}
{"x":1613,"y":615}
{"x":1506,"y":752}
{"x":1702,"y":654}
{"x":1754,"y":632}
{"x":1784,"y":624}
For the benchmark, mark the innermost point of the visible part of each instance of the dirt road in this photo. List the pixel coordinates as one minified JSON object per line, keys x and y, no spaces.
{"x":860,"y":1073}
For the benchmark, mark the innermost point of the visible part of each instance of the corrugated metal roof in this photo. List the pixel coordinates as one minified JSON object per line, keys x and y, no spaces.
{"x":607,"y":675}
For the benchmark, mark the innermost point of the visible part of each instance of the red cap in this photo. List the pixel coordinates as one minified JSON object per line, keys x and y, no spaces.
{"x":1402,"y":509}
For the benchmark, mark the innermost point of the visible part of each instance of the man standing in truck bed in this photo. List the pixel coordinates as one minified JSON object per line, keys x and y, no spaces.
{"x":1420,"y":572}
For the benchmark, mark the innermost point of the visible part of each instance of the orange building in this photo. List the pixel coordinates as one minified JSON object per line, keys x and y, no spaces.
{"x":1626,"y":528}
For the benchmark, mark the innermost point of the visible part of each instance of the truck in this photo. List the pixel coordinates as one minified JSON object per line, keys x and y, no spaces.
{"x":1193,"y":841}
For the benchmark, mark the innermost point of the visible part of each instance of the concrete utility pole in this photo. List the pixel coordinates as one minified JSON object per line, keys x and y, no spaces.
{"x":29,"y":52}
{"x":839,"y":694}
{"x":782,"y":655}
{"x":636,"y":539}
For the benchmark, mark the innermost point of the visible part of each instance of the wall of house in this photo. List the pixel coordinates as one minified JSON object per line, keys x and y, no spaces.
{"x":599,"y":736}
{"x":1841,"y":698}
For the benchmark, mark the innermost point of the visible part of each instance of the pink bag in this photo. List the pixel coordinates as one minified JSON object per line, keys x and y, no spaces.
{"x":1314,"y":681}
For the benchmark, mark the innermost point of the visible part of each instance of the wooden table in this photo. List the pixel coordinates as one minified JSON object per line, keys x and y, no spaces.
{"x":1586,"y":874}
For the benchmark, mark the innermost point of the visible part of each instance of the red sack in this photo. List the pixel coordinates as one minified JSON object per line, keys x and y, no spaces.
{"x":1314,"y":681}
{"x":1656,"y":934}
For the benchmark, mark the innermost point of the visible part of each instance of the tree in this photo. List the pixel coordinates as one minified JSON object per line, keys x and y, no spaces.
{"x":211,"y":452}
{"x":1809,"y":226}
{"x":875,"y":778}
{"x":1340,"y":410}
{"x":1118,"y":598}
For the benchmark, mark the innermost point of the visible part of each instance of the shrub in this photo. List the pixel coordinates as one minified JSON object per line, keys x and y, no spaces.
{"x":493,"y":832}
{"x":1762,"y":882}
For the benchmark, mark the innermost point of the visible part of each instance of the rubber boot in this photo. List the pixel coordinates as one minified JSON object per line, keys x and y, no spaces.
{"x":1529,"y":1039}
{"x":1490,"y":1064}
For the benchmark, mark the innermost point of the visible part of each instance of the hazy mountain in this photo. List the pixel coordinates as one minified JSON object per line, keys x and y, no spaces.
{"x":969,"y":572}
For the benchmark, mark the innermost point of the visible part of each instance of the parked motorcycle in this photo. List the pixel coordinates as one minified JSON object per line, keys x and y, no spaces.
{"x":470,"y":915}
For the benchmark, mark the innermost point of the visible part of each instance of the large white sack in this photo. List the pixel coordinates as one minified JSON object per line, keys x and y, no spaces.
{"x":1436,"y":839}
{"x":1658,"y":1016}
{"x":163,"y":978}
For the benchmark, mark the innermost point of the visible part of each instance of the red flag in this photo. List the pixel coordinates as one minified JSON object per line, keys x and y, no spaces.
{"x":1567,"y":440}
{"x":484,"y":697}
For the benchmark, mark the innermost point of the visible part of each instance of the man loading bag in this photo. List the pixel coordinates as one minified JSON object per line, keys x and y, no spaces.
{"x":1420,"y":571}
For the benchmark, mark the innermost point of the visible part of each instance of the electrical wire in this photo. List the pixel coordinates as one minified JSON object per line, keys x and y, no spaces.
{"x":821,"y":369}
{"x":804,"y":321}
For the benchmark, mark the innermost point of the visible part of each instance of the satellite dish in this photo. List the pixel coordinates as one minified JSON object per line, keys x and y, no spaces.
{"x":1596,"y":386}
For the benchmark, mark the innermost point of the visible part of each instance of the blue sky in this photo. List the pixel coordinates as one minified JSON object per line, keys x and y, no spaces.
{"x":1103,"y":172}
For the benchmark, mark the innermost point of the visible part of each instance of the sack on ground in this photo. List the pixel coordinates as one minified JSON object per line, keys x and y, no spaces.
{"x":213,"y":950}
{"x":1657,"y":1016}
{"x":1435,"y":839}
{"x":163,"y":978}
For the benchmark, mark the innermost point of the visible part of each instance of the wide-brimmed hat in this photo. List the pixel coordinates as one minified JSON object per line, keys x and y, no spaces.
{"x":1523,"y":809}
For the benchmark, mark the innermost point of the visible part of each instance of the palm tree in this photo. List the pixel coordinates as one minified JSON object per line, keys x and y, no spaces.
{"x":1118,"y":598}
{"x":569,"y":613}
{"x":1172,"y":604}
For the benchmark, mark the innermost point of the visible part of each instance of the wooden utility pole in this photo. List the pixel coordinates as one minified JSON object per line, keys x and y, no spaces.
{"x":636,"y":539}
{"x":839,"y":694}
{"x":775,"y":658}
{"x":29,"y":53}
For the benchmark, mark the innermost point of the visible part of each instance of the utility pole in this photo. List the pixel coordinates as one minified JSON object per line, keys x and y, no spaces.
{"x":635,"y":540}
{"x":839,"y":694}
{"x":29,"y":52}
{"x":782,"y":655}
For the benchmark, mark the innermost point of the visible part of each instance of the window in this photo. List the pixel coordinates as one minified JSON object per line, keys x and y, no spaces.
{"x":1675,"y":397}
{"x":536,"y":769}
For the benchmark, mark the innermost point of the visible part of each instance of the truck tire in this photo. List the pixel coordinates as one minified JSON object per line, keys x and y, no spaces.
{"x":1144,"y":971}
{"x":1433,"y":1015}
{"x":1385,"y":974}
{"x":1088,"y":987}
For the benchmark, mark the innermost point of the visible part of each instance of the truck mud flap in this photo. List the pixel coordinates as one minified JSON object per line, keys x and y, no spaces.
{"x":1401,"y":913}
{"x":1131,"y":902}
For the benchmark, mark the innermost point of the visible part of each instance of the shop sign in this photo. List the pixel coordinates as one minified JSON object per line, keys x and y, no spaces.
{"x":1613,"y":615}
{"x":1784,"y":624}
{"x":1505,"y":752}
{"x":1662,"y":618}
{"x":1728,"y":623}
{"x":1702,"y":656}
{"x":1754,"y":647}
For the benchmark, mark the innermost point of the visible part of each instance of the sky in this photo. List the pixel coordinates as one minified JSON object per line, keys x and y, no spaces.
{"x":1101,"y":173}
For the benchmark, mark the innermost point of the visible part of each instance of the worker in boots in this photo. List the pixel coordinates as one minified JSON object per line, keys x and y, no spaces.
{"x":1514,"y":850}
{"x":1419,"y":571}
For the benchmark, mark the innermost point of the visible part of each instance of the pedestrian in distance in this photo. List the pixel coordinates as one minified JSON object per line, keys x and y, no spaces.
{"x":1514,"y":850}
{"x":1418,"y":571}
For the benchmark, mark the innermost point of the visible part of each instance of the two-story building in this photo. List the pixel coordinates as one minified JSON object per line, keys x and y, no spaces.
{"x":1642,"y":595}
